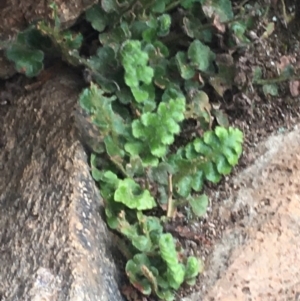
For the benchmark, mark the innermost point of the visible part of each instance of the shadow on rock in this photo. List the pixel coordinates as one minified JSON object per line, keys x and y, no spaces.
{"x":53,"y":243}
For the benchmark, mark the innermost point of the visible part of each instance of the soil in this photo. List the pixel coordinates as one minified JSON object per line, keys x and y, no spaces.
{"x":238,"y":245}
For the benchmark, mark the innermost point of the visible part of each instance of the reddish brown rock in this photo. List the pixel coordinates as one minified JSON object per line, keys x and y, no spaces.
{"x":258,"y":259}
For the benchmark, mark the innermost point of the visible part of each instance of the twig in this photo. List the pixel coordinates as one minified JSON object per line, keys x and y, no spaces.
{"x":170,"y":197}
{"x":275,"y":80}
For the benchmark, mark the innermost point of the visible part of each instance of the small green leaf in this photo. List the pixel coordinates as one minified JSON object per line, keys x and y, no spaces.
{"x":27,"y":60}
{"x":116,"y":36}
{"x":168,"y":252}
{"x":71,"y":40}
{"x":210,"y":172}
{"x":110,"y":178}
{"x":124,"y":95}
{"x":111,"y":219}
{"x":161,"y":79}
{"x":239,"y":29}
{"x":161,"y":49}
{"x":137,"y":28}
{"x":199,"y":204}
{"x":186,"y":71}
{"x":113,"y":148}
{"x":164,"y":23}
{"x":141,"y":242}
{"x":201,"y":56}
{"x":104,"y":60}
{"x":257,"y":74}
{"x":97,"y":17}
{"x":96,"y":174}
{"x":198,"y":179}
{"x":135,"y":166}
{"x":271,"y":89}
{"x":232,"y":140}
{"x":192,"y":267}
{"x":149,"y":35}
{"x":158,"y":6}
{"x":191,"y":26}
{"x":222,"y":165}
{"x":184,"y":186}
{"x":157,"y":130}
{"x":99,"y":107}
{"x":221,"y":117}
{"x":110,"y":6}
{"x":220,"y":8}
{"x":133,"y":271}
{"x":139,"y":95}
{"x":202,"y":148}
{"x":211,"y":139}
{"x":160,"y":173}
{"x":130,"y":194}
{"x":134,"y":148}
{"x":135,"y":63}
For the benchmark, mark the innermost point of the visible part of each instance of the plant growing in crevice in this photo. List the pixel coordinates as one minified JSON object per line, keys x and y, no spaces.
{"x":148,"y":77}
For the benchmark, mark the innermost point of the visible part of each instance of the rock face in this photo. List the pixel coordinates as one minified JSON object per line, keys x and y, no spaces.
{"x":54,"y":245}
{"x":258,"y":259}
{"x":16,"y":15}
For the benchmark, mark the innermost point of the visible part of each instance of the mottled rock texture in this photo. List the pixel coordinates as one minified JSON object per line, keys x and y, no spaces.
{"x":16,"y":15}
{"x":54,"y":246}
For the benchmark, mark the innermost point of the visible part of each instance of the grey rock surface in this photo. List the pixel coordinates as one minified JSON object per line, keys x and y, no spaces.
{"x":54,"y":244}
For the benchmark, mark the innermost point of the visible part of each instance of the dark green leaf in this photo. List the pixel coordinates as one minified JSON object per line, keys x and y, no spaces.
{"x":109,"y":5}
{"x":201,"y":56}
{"x":97,"y":17}
{"x":28,"y":61}
{"x":115,"y":37}
{"x":199,"y":204}
{"x":186,"y":71}
{"x":221,"y":117}
{"x":164,"y":23}
{"x":71,"y":40}
{"x":113,"y":148}
{"x":220,"y":8}
{"x":99,"y":107}
{"x":191,"y":26}
{"x":210,"y":172}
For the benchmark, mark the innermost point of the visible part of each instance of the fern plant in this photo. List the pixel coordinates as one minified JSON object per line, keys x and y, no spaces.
{"x":148,"y":78}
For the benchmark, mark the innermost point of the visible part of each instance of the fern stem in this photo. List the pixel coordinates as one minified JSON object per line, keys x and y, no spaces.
{"x":120,"y":167}
{"x":170,"y":197}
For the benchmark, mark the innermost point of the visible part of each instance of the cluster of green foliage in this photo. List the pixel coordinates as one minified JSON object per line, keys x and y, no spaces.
{"x":148,"y":77}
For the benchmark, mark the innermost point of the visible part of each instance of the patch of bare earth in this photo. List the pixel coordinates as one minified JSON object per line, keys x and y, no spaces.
{"x":257,"y":257}
{"x":250,"y":235}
